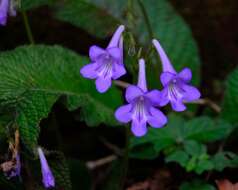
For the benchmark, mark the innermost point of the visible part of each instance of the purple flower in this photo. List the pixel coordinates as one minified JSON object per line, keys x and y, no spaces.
{"x":176,"y":88}
{"x":48,"y":178}
{"x":7,"y":7}
{"x":106,"y":64}
{"x":4,"y":6}
{"x":141,"y":108}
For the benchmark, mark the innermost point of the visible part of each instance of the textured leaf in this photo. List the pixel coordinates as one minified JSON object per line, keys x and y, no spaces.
{"x":33,"y":77}
{"x":179,"y":131}
{"x":61,"y":171}
{"x":230,"y":104}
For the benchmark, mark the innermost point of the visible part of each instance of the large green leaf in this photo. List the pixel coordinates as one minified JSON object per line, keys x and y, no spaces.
{"x":230,"y":104}
{"x":33,"y":77}
{"x":29,"y":4}
{"x":83,"y":14}
{"x":179,"y":131}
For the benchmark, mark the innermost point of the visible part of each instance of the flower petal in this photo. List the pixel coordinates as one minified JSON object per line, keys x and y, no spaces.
{"x":164,"y":99}
{"x":167,"y":66}
{"x":123,"y":113}
{"x":166,"y":77}
{"x":178,"y":105}
{"x":118,"y":71}
{"x":191,"y":93}
{"x":95,"y":51}
{"x":133,"y":92}
{"x":89,"y":71}
{"x":186,"y":74}
{"x":4,"y":4}
{"x":116,"y":37}
{"x":154,"y":97}
{"x":138,"y":128}
{"x":103,"y":84}
{"x":157,"y":119}
{"x":115,"y":52}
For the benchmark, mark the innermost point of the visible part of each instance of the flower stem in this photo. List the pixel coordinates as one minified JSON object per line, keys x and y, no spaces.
{"x":28,"y":28}
{"x":125,"y":158}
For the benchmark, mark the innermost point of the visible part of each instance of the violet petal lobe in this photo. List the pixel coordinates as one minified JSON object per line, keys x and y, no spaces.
{"x":89,"y":71}
{"x":123,"y":113}
{"x":95,"y":52}
{"x":133,"y":92}
{"x":103,"y":84}
{"x":166,"y":77}
{"x":115,"y":52}
{"x":138,"y":128}
{"x":120,"y":70}
{"x":156,"y":118}
{"x":154,"y":97}
{"x":190,"y":93}
{"x":185,"y":74}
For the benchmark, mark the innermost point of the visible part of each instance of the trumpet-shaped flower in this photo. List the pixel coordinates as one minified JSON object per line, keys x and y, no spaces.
{"x":7,"y":7}
{"x":141,"y":106}
{"x":176,"y":85}
{"x":47,"y":176}
{"x":106,"y":64}
{"x":4,"y":5}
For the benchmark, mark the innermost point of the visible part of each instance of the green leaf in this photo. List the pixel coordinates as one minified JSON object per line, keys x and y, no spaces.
{"x":33,"y":77}
{"x":178,"y":156}
{"x":178,"y":131}
{"x":196,"y":185}
{"x":194,"y":148}
{"x":69,"y":12}
{"x":61,"y":171}
{"x":30,"y":4}
{"x":230,"y":104}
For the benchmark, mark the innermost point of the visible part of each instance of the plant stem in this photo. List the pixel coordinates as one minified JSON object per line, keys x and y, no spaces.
{"x":125,"y":158}
{"x":28,"y":28}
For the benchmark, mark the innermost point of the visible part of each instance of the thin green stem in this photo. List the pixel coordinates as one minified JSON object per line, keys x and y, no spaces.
{"x":125,"y":158}
{"x":28,"y":28}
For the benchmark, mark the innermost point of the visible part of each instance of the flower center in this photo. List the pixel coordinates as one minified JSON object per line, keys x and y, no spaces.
{"x":175,"y":91}
{"x":140,"y":110}
{"x":106,"y":66}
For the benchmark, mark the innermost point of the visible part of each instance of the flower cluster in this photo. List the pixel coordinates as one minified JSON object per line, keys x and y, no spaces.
{"x":143,"y":104}
{"x":7,"y":7}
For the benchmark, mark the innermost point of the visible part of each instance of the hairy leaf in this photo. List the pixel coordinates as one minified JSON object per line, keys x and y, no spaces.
{"x":33,"y":77}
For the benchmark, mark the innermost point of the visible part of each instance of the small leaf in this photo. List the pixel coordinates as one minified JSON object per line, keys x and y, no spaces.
{"x":178,"y":156}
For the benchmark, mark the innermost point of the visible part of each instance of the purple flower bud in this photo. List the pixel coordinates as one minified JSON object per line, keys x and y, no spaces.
{"x":176,"y":88}
{"x":106,"y":64}
{"x":47,"y":176}
{"x":141,"y":108}
{"x":4,"y":5}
